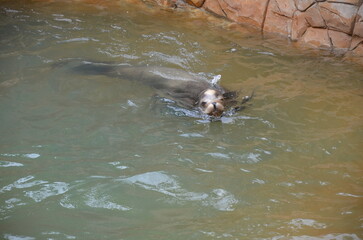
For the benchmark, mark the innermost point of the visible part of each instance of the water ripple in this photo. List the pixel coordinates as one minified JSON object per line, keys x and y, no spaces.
{"x":174,"y":59}
{"x":9,"y":10}
{"x":52,"y":235}
{"x":48,"y":190}
{"x":219,"y":155}
{"x":12,"y":203}
{"x":10,"y":164}
{"x":97,"y":200}
{"x":81,"y":39}
{"x":17,"y":237}
{"x":191,"y":135}
{"x":164,"y":38}
{"x":26,"y":155}
{"x":349,"y":195}
{"x":63,"y":20}
{"x":22,"y":183}
{"x":300,"y":223}
{"x":160,"y":182}
{"x":156,"y":181}
{"x":221,"y":200}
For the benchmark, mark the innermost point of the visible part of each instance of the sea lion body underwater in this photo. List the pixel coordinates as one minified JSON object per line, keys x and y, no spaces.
{"x":186,"y":89}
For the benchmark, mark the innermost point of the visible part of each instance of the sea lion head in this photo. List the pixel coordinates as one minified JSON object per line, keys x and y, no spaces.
{"x":211,"y":102}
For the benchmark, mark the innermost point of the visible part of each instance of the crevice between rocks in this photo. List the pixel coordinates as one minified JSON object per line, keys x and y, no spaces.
{"x":326,"y":26}
{"x":346,"y":3}
{"x":225,"y":14}
{"x":264,"y":16}
{"x":356,"y":45}
{"x":330,"y":40}
{"x":355,"y":21}
{"x":311,"y":5}
{"x":334,"y":29}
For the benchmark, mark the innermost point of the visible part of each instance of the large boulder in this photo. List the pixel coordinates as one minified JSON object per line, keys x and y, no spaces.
{"x":317,"y":37}
{"x":241,"y":11}
{"x":340,"y":40}
{"x":279,"y":17}
{"x":302,"y":20}
{"x":339,"y":16}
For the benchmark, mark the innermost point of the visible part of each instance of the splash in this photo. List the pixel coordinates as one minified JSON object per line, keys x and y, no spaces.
{"x":216,"y":79}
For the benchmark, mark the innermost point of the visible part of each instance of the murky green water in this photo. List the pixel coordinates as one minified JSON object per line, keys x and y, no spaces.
{"x":90,"y":157}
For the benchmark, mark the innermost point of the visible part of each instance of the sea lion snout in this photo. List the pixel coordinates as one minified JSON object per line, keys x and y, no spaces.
{"x":214,"y":109}
{"x":211,"y":102}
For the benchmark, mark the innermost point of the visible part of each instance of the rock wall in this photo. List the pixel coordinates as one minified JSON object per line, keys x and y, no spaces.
{"x":332,"y":24}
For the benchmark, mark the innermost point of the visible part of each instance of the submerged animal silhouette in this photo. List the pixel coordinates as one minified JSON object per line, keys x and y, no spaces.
{"x":186,"y":89}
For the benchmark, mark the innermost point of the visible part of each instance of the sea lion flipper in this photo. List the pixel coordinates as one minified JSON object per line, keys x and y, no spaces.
{"x":248,"y":98}
{"x":245,"y":99}
{"x":230,"y":95}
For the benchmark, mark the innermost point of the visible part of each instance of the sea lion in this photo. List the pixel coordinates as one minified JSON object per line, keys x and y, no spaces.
{"x":211,"y":102}
{"x":186,"y":89}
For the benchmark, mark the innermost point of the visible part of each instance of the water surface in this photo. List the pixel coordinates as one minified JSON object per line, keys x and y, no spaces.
{"x":91,"y":157}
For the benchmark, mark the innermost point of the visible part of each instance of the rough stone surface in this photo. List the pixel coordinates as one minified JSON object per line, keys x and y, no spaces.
{"x":356,"y":54}
{"x":214,"y":7}
{"x":353,"y":2}
{"x":277,"y":18}
{"x":339,"y":16}
{"x":358,"y":51}
{"x":283,"y":7}
{"x":299,"y":25}
{"x":332,"y":24}
{"x":355,"y":43}
{"x":339,"y":40}
{"x":358,"y":28}
{"x":245,"y":11}
{"x":302,"y":20}
{"x":317,"y":37}
{"x":195,"y":3}
{"x":166,"y":3}
{"x":314,"y":18}
{"x":302,"y":5}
